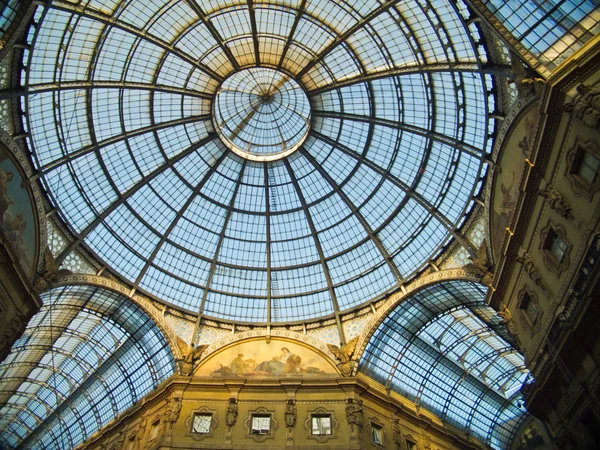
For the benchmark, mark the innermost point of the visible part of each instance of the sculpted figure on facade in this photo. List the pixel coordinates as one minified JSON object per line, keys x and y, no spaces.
{"x":232,"y":413}
{"x":530,"y":269}
{"x":172,"y":412}
{"x":344,"y":354}
{"x":290,"y":414}
{"x":479,"y":265}
{"x":586,"y":107}
{"x":354,"y":414}
{"x":51,"y":273}
{"x":557,"y":203}
{"x":397,"y":434}
{"x":191,"y":355}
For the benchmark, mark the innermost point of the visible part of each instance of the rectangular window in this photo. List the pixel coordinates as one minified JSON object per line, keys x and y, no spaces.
{"x":556,"y":246}
{"x":261,"y":424}
{"x":377,"y":434}
{"x":202,"y":423}
{"x":321,"y":424}
{"x":529,"y":308}
{"x":154,"y":430}
{"x":586,"y":166}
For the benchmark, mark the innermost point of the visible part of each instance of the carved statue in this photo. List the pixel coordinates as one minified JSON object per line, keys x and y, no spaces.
{"x":172,"y":412}
{"x":586,"y":107}
{"x":191,"y":354}
{"x":354,"y":414}
{"x":525,"y":78}
{"x":557,"y":203}
{"x":426,"y":443}
{"x":51,"y":272}
{"x":344,"y":354}
{"x":141,"y":429}
{"x":397,"y":434}
{"x":290,"y":414}
{"x":479,"y":265}
{"x":118,"y":445}
{"x":531,"y":270}
{"x":232,"y":413}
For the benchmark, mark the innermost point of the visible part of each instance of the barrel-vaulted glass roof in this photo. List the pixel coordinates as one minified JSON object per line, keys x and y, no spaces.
{"x":446,"y":349}
{"x":119,"y":111}
{"x":84,"y":358}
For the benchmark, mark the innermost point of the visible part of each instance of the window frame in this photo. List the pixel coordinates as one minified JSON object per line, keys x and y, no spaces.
{"x":532,"y":324}
{"x":321,"y":412}
{"x":548,"y":235}
{"x":574,"y":157}
{"x":189,"y":423}
{"x":376,"y":427}
{"x":261,"y":412}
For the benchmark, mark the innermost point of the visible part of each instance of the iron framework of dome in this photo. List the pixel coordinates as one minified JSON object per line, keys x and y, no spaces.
{"x":119,"y":111}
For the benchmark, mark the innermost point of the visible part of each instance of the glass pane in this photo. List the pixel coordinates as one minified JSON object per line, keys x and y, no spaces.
{"x":558,"y":247}
{"x":321,"y":425}
{"x":261,"y":424}
{"x":377,"y":434}
{"x":202,"y":423}
{"x":588,"y":168}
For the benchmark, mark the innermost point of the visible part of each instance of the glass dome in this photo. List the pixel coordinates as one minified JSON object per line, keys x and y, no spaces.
{"x":326,"y":185}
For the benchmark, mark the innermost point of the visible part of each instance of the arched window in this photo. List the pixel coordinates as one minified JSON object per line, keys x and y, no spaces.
{"x":445,"y":349}
{"x":85,"y":357}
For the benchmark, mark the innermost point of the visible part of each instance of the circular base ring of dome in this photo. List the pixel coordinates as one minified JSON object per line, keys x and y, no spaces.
{"x":261,"y":114}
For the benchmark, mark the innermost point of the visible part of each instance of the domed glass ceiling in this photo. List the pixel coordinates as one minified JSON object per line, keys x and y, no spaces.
{"x":356,"y":168}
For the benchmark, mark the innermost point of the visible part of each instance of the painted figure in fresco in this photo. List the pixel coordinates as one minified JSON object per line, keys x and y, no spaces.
{"x":280,"y":365}
{"x":5,"y":200}
{"x":283,"y":364}
{"x":503,"y":212}
{"x":238,"y":365}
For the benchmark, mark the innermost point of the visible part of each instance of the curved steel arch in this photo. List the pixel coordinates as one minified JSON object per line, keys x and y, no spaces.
{"x":304,"y":228}
{"x":136,"y":359}
{"x":402,"y":354}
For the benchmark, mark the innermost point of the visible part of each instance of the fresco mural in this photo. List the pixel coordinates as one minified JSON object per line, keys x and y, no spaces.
{"x":518,"y":146}
{"x":16,"y":213}
{"x":279,"y":358}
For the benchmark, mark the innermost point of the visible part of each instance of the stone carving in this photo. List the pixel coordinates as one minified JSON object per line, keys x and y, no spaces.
{"x":586,"y":107}
{"x":354,"y":414}
{"x":344,"y":354}
{"x":141,"y":431}
{"x":525,"y":78}
{"x":397,"y":434}
{"x":191,"y":354}
{"x":530,"y":269}
{"x":172,"y":412}
{"x":479,"y":265}
{"x":290,"y":414}
{"x":557,"y":203}
{"x":232,"y":413}
{"x":426,"y":443}
{"x":118,"y":445}
{"x":51,"y":272}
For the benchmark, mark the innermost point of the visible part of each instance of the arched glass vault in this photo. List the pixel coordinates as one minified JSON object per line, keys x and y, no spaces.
{"x":119,"y":111}
{"x":84,"y":358}
{"x":446,"y":350}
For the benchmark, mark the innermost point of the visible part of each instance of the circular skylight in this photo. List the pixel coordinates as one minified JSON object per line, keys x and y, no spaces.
{"x":231,"y":204}
{"x":261,"y":114}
